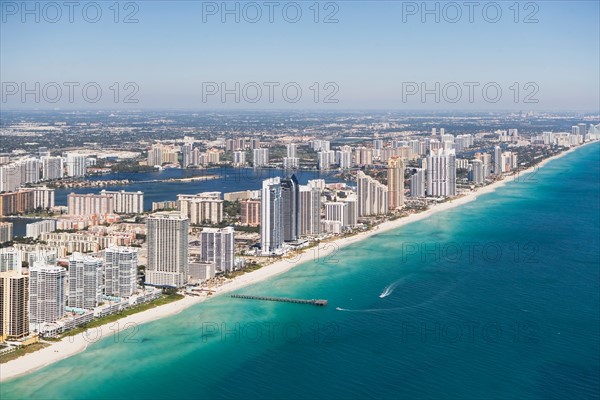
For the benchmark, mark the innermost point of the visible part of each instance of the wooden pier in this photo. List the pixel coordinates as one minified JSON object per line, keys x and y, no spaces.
{"x":321,"y":303}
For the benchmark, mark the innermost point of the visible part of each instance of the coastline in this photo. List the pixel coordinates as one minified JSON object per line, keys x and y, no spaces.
{"x":71,"y":345}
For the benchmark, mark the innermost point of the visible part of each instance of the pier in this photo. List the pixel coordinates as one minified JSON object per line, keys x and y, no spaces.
{"x":321,"y":303}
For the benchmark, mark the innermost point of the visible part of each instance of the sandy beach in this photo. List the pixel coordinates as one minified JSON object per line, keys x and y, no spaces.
{"x":75,"y":344}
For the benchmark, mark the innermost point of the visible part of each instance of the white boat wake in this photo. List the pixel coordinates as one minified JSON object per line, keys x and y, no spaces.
{"x":389,"y":289}
{"x":419,"y":305}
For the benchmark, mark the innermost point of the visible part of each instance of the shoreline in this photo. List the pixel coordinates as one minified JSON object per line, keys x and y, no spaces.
{"x":72,"y":345}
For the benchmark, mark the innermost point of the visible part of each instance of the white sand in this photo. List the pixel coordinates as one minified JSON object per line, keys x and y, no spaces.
{"x":74,"y":344}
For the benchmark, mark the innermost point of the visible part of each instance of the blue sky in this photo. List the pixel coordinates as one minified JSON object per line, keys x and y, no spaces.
{"x":372,"y":57}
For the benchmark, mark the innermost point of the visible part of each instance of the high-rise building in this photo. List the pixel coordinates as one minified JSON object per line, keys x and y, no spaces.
{"x":441,"y":173}
{"x":372,"y":196}
{"x":497,"y":160}
{"x":395,"y":183}
{"x":46,"y":293}
{"x":76,"y":165}
{"x":290,"y":193}
{"x":310,"y":210}
{"x":35,"y":229}
{"x":250,"y":212}
{"x":343,"y":212}
{"x":120,"y":271}
{"x":167,"y":241}
{"x":6,"y":232}
{"x":271,"y":216}
{"x":10,"y":259}
{"x":90,"y":204}
{"x":201,"y":208}
{"x":417,"y":183}
{"x":155,"y":155}
{"x":319,"y":145}
{"x":325,"y":159}
{"x":186,"y":158}
{"x":52,"y":168}
{"x":126,"y":202}
{"x":476,"y":173}
{"x":291,"y":150}
{"x":260,"y":157}
{"x":364,"y":156}
{"x":14,"y":312}
{"x":10,"y":177}
{"x":85,"y":281}
{"x":291,"y":163}
{"x":217,"y":246}
{"x":239,"y":158}
{"x":344,"y":157}
{"x":30,"y":170}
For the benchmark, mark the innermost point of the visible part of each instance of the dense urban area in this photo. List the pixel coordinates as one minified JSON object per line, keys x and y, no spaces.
{"x":105,"y":214}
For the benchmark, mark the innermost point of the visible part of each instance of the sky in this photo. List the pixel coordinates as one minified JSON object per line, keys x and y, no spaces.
{"x":351,"y":55}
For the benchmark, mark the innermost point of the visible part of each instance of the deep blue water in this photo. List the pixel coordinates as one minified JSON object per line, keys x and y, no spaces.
{"x":229,"y":179}
{"x":495,"y":299}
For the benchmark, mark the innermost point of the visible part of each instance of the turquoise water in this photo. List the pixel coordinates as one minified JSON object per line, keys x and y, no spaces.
{"x":498,"y":298}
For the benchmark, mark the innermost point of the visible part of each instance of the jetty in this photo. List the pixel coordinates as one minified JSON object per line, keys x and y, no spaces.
{"x":321,"y":303}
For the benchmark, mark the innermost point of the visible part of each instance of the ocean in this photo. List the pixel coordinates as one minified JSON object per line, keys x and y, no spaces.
{"x":495,"y":299}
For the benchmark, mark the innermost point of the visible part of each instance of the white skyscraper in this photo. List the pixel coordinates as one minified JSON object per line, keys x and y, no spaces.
{"x":76,"y":165}
{"x":310,"y":210}
{"x":325,"y":159}
{"x":336,"y":211}
{"x":364,"y":156}
{"x":217,"y":246}
{"x":260,"y":157}
{"x":46,"y":293}
{"x":30,"y":170}
{"x":417,"y":183}
{"x":476,"y":174}
{"x":239,"y":158}
{"x":186,"y":151}
{"x":497,"y":160}
{"x":372,"y":196}
{"x":441,"y":173}
{"x":126,"y":202}
{"x":291,"y":163}
{"x":291,"y":150}
{"x":85,"y":281}
{"x":10,"y":177}
{"x":120,"y":271}
{"x":344,"y":157}
{"x":271,"y":217}
{"x":6,"y":231}
{"x":52,"y":168}
{"x":35,"y":229}
{"x":167,"y":242}
{"x":10,"y":259}
{"x":90,"y":204}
